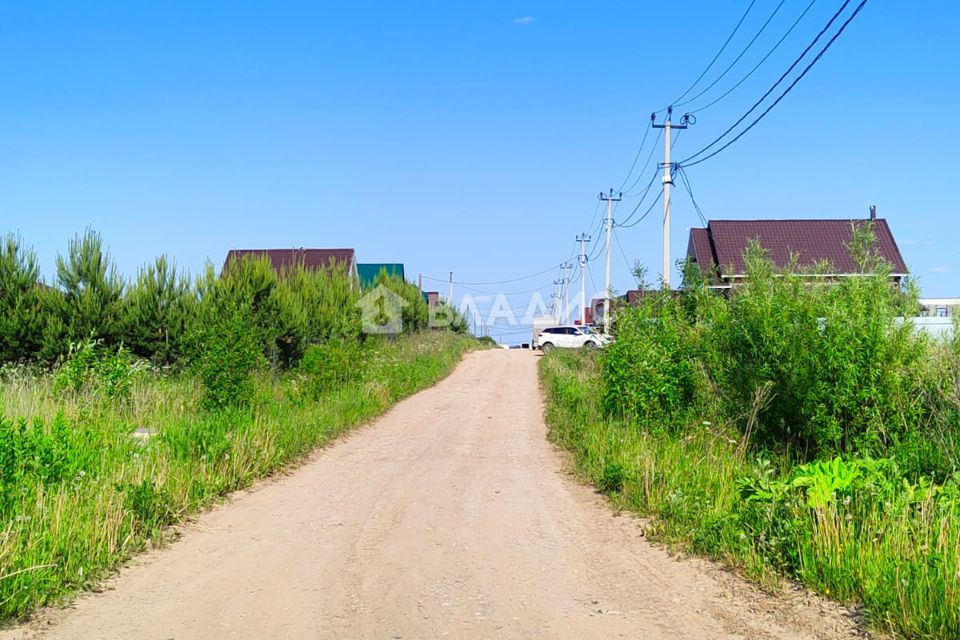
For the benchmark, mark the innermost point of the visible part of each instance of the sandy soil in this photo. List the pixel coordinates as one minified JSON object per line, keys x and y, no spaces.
{"x":451,"y":516}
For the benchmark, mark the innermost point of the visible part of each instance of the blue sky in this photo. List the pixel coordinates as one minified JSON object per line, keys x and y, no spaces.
{"x":464,"y":136}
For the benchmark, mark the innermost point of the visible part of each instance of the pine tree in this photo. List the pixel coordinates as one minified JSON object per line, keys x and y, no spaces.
{"x":21,"y":316}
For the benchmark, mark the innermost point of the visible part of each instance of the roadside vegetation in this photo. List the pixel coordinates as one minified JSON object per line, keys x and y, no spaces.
{"x":125,"y":407}
{"x":797,"y":427}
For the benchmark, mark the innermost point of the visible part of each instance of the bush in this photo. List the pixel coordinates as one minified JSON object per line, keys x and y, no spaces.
{"x":331,"y":364}
{"x":416,"y":313}
{"x":649,"y":371}
{"x":799,"y":363}
{"x":843,"y":372}
{"x":226,"y":356}
{"x":89,"y":366}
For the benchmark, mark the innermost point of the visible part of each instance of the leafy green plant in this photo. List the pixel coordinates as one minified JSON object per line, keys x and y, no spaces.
{"x":227,"y":355}
{"x":612,"y":478}
{"x":91,"y":366}
{"x":331,"y":364}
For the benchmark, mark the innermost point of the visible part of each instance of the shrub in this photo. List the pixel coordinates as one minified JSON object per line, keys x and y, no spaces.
{"x":415,"y":313}
{"x":649,"y":371}
{"x":226,"y":355}
{"x":89,"y":366}
{"x":843,"y":372}
{"x":331,"y":364}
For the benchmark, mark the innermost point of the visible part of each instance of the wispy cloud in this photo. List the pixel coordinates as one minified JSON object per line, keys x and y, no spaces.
{"x":939,"y":269}
{"x":524,"y":20}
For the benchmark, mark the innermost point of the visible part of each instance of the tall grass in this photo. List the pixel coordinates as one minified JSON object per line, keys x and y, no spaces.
{"x":88,"y":480}
{"x":854,"y":530}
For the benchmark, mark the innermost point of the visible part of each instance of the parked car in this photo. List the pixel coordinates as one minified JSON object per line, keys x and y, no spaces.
{"x":570,"y":337}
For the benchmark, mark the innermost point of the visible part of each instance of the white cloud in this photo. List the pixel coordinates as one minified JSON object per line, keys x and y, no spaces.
{"x":939,"y":269}
{"x":524,"y":20}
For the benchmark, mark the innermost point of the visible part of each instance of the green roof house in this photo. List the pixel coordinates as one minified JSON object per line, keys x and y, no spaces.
{"x":368,"y":271}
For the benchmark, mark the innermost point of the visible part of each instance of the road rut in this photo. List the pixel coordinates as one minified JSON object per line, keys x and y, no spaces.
{"x":451,"y":516}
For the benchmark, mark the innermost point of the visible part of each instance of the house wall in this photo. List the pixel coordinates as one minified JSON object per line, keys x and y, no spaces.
{"x":939,"y":307}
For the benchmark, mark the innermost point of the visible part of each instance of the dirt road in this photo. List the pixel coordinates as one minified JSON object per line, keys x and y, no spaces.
{"x":450,"y":517}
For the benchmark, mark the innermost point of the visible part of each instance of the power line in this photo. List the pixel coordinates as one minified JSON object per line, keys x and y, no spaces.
{"x":505,"y":293}
{"x":645,"y":213}
{"x":786,"y":91}
{"x":646,"y":163}
{"x":762,"y":60}
{"x":777,"y":83}
{"x":623,"y":253}
{"x":730,"y":66}
{"x":646,"y":132}
{"x":596,"y":210}
{"x":532,"y":275}
{"x":716,"y":57}
{"x":686,"y":184}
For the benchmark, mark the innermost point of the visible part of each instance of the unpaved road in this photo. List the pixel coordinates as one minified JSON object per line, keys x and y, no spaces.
{"x":451,"y":516}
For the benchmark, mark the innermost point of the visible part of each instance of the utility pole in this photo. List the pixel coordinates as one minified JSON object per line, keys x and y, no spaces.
{"x":609,"y":199}
{"x":582,"y":239}
{"x":667,"y":126}
{"x":557,"y":289}
{"x":566,"y":266}
{"x":450,"y":291}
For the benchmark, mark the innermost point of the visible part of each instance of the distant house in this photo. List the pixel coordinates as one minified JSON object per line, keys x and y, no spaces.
{"x":432,"y":298}
{"x":284,"y":259}
{"x":368,"y":271}
{"x":939,"y":307}
{"x":718,"y":248}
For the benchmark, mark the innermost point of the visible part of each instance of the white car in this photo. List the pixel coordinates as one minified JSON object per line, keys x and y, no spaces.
{"x":570,"y":337}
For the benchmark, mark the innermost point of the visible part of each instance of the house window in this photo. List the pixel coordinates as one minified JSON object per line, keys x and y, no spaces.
{"x":943,"y":312}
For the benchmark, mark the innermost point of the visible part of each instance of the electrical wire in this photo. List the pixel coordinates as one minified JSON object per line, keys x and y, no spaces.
{"x":686,"y":184}
{"x":716,"y":57}
{"x":504,"y":293}
{"x":627,"y":191}
{"x":646,"y":132}
{"x":624,"y":254}
{"x":762,"y":60}
{"x":645,"y":213}
{"x":777,"y":83}
{"x":532,"y":275}
{"x":642,"y":200}
{"x":730,"y":66}
{"x":596,"y":210}
{"x":786,"y":91}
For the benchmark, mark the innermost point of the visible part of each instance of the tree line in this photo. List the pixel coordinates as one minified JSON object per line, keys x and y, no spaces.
{"x":164,"y":314}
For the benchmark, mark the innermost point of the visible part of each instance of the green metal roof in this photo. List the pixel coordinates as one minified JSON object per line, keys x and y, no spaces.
{"x":368,"y":271}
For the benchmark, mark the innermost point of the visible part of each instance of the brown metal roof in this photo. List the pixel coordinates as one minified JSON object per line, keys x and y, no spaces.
{"x":699,"y":249}
{"x":282,"y":259}
{"x":723,"y":243}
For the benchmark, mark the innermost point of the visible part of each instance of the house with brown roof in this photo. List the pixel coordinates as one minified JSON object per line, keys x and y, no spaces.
{"x":718,"y":249}
{"x":284,"y":259}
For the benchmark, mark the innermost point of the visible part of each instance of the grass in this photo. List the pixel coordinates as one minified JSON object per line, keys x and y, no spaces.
{"x":82,"y":492}
{"x":853,"y":530}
